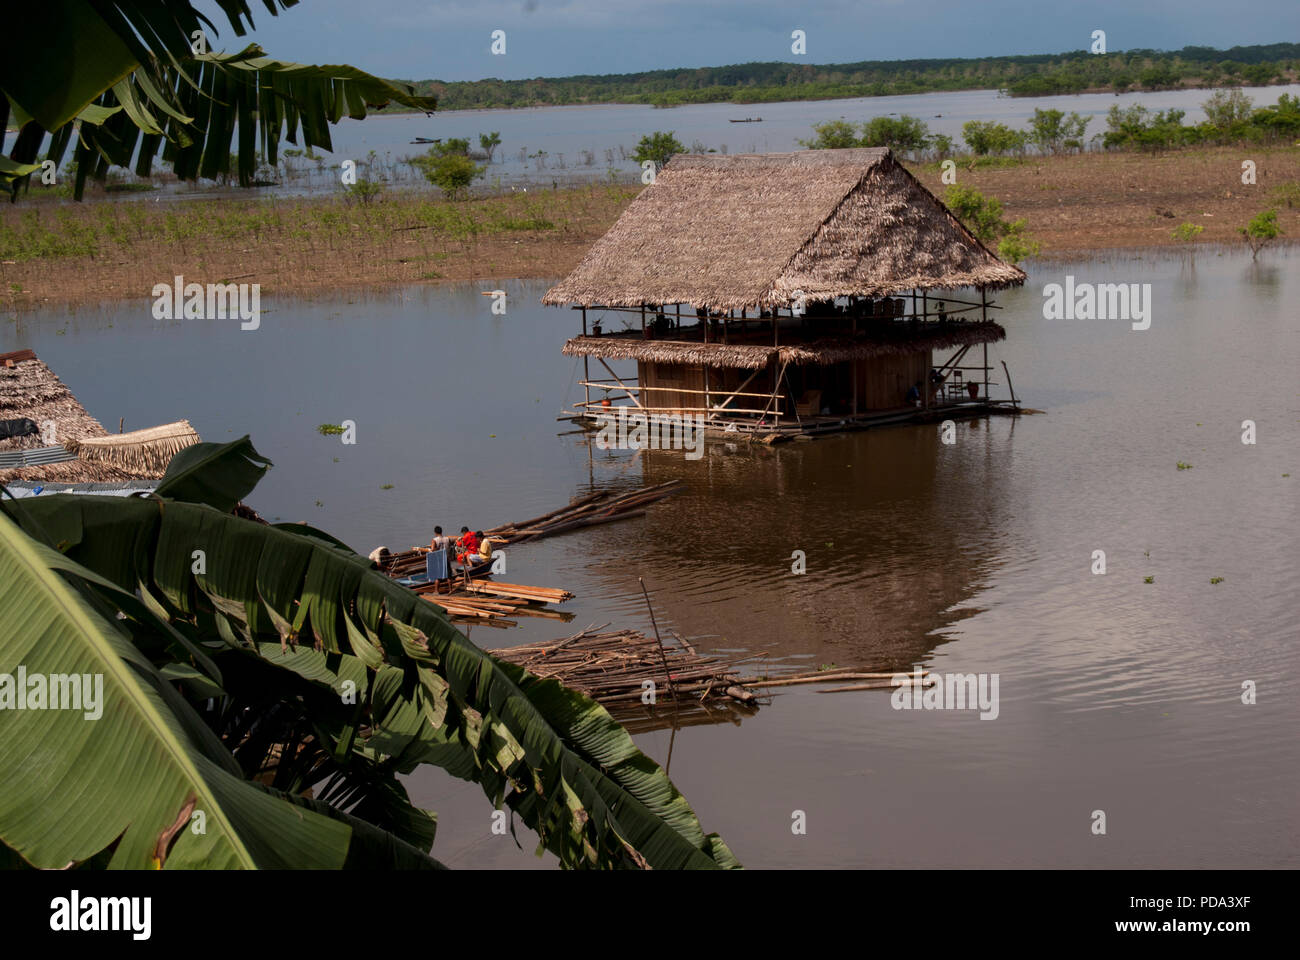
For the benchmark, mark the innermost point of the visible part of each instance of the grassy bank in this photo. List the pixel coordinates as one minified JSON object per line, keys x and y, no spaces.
{"x":82,"y":253}
{"x":79,"y":253}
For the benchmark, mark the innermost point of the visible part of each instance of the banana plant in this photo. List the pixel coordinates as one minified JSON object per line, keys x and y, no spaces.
{"x":269,"y":683}
{"x":131,"y":77}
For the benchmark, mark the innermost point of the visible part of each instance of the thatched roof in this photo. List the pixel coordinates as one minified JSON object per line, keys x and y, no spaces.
{"x":897,"y":339}
{"x":28,"y":388}
{"x":734,"y":232}
{"x":145,"y":453}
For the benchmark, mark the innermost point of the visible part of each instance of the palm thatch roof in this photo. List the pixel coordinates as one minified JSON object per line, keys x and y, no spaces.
{"x":145,"y":453}
{"x":28,"y":388}
{"x":896,"y":339}
{"x":756,"y":230}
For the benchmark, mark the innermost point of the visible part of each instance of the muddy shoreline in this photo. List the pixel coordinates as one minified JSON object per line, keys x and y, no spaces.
{"x":76,"y":254}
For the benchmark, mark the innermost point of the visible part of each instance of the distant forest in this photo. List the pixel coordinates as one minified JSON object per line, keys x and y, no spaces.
{"x":1028,"y":76}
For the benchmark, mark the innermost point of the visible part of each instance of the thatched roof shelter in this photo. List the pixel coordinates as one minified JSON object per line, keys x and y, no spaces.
{"x":748,"y":356}
{"x":145,"y":453}
{"x":755,"y":230}
{"x":83,"y":451}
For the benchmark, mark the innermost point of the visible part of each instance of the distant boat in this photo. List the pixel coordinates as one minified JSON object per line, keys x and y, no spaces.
{"x":749,"y":120}
{"x":426,"y":140}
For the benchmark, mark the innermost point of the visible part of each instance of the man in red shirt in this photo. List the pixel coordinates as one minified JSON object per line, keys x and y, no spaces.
{"x":466,"y":544}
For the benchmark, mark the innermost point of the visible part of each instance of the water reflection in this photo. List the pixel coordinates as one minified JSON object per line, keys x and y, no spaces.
{"x":896,"y":528}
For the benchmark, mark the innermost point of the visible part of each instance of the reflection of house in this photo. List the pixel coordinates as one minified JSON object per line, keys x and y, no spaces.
{"x":46,"y":435}
{"x":786,"y":293}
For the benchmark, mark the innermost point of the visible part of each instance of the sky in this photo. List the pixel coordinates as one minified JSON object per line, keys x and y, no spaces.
{"x":452,"y":39}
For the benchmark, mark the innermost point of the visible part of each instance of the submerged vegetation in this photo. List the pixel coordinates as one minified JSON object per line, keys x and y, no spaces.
{"x":1036,"y":75}
{"x":1231,"y":118}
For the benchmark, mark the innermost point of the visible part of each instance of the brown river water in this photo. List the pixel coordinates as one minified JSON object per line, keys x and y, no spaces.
{"x":1115,"y":694}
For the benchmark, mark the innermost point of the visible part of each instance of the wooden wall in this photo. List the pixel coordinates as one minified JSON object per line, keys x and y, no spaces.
{"x":721,"y":382}
{"x":883,"y":381}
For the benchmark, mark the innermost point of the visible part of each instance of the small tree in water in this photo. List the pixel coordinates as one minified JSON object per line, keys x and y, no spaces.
{"x":1261,"y":230}
{"x":489,"y":143}
{"x":657,"y":147}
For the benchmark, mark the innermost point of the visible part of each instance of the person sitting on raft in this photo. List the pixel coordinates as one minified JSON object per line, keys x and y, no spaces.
{"x":485,"y":547}
{"x":467,"y":545}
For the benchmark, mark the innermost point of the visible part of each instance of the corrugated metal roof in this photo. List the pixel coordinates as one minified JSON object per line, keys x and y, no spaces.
{"x":34,"y":457}
{"x":20,"y":491}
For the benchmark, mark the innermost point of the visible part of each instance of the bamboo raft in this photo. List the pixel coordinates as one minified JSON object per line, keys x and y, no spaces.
{"x":492,"y":603}
{"x":470,"y":599}
{"x":613,"y":667}
{"x":595,"y":508}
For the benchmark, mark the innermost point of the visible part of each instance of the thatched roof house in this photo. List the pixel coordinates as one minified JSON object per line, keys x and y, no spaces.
{"x":770,"y":293}
{"x":80,"y":450}
{"x":748,"y":231}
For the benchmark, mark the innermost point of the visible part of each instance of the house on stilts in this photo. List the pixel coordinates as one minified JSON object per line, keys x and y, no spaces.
{"x":785,"y":294}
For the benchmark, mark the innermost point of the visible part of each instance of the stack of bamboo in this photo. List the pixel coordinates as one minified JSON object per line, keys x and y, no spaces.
{"x":489,"y":602}
{"x":613,"y":668}
{"x":587,"y":511}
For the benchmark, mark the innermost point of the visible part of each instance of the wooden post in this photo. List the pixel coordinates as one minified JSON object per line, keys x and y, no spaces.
{"x":984,"y":315}
{"x":643,"y":333}
{"x":586,"y":369}
{"x":853,"y":366}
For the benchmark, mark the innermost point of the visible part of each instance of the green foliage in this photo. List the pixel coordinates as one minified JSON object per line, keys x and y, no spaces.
{"x":489,"y":143}
{"x":942,"y":145}
{"x":1188,"y":232}
{"x":1227,"y":109}
{"x":124,"y":80}
{"x":1262,"y":229}
{"x":657,"y":147}
{"x":1051,"y":131}
{"x":279,"y":688}
{"x":832,"y":135}
{"x":1137,"y":127}
{"x":903,"y":134}
{"x":989,"y":137}
{"x":1286,"y":194}
{"x":982,"y":216}
{"x":1034,"y":75}
{"x":451,"y":147}
{"x":365,"y":191}
{"x":452,"y":172}
{"x":1015,"y":245}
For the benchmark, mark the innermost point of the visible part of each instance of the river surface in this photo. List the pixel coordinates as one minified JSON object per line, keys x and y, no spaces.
{"x":578,"y":143}
{"x":1115,"y":694}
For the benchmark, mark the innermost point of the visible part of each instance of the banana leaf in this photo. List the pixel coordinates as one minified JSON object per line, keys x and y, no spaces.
{"x":563,"y":765}
{"x":128,"y":72}
{"x":123,"y":771}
